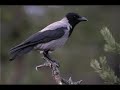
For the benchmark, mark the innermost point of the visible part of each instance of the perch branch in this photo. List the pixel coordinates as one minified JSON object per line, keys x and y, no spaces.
{"x":56,"y":73}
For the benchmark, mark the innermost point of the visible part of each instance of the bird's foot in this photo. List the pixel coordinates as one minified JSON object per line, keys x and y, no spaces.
{"x":54,"y":66}
{"x":46,"y":64}
{"x":49,"y":63}
{"x":55,"y":63}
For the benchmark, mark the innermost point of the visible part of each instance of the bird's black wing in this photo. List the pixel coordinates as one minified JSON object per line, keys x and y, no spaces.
{"x":42,"y":37}
{"x":46,"y":36}
{"x":37,"y":38}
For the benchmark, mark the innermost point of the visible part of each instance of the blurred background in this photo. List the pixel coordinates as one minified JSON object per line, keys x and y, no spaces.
{"x":86,"y":43}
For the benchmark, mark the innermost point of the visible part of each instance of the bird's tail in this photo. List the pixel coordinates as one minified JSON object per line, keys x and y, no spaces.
{"x":19,"y":51}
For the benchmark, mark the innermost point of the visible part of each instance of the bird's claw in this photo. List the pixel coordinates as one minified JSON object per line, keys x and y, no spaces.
{"x":49,"y":63}
{"x":36,"y":68}
{"x":46,"y":64}
{"x":39,"y":66}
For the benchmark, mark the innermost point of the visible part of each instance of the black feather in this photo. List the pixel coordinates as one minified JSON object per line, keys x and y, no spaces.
{"x":19,"y":52}
{"x":32,"y":41}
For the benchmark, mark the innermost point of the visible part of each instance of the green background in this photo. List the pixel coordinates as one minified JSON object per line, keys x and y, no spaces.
{"x":86,"y":43}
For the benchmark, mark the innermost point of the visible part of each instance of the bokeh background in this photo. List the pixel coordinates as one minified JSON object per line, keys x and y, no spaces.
{"x":86,"y":43}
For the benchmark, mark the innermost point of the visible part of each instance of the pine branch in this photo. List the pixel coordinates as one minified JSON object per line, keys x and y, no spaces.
{"x":111,"y":45}
{"x":101,"y":66}
{"x":105,"y":72}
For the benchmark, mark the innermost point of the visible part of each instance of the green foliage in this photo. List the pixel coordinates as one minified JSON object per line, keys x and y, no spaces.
{"x":111,"y":45}
{"x":105,"y":72}
{"x":100,"y":66}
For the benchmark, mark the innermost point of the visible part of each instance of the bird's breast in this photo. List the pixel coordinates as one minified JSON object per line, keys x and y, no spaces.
{"x":52,"y":45}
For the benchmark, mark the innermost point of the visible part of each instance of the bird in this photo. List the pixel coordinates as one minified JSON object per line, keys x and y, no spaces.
{"x":53,"y":36}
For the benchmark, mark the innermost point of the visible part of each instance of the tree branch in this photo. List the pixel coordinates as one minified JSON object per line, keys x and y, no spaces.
{"x":56,"y":73}
{"x":101,"y":66}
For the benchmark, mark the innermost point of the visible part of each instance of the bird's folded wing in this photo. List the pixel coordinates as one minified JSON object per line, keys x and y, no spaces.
{"x":42,"y":37}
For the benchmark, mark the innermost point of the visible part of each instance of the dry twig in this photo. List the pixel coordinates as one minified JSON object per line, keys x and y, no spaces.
{"x":56,"y":73}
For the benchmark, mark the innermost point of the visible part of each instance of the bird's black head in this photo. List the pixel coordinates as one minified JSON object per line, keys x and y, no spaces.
{"x":74,"y":18}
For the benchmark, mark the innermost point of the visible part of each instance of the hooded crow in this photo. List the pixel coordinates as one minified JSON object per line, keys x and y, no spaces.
{"x":49,"y":38}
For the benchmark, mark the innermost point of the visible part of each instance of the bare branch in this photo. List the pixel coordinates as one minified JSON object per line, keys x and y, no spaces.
{"x":56,"y":73}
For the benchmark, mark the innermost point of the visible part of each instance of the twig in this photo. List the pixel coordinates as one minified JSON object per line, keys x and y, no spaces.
{"x":56,"y":73}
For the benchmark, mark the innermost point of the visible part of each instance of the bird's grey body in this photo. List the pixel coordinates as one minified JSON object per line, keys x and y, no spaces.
{"x":50,"y":38}
{"x":52,"y":45}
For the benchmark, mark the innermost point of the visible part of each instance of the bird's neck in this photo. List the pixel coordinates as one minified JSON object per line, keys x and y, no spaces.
{"x":70,"y":32}
{"x":65,"y":20}
{"x":71,"y":29}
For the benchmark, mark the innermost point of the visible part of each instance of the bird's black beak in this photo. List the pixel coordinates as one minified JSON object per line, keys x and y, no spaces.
{"x":82,"y":19}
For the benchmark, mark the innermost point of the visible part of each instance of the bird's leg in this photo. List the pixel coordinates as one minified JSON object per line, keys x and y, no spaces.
{"x":49,"y":62}
{"x":46,"y":55}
